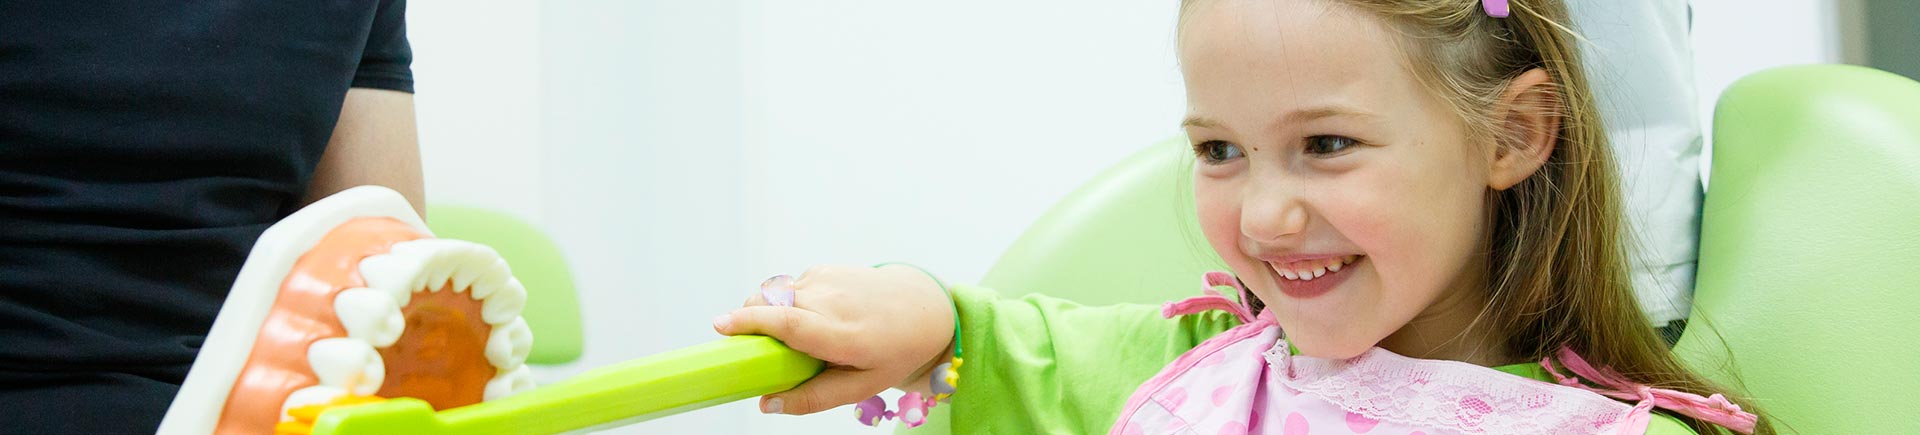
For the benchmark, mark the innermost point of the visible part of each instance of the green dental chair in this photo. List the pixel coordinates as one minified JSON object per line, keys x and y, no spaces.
{"x":1810,"y":248}
{"x":1809,"y":279}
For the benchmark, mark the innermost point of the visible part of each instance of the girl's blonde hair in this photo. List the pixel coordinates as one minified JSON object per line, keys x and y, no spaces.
{"x":1557,"y":261}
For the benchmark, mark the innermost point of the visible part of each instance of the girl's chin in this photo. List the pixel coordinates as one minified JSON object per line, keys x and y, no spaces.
{"x":1330,"y":347}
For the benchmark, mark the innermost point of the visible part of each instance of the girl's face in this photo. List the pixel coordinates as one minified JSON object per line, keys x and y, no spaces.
{"x":1321,"y":155}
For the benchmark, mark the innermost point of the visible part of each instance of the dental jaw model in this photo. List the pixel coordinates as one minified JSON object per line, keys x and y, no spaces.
{"x":351,"y":300}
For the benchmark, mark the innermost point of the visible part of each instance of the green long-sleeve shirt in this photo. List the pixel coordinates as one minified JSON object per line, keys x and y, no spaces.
{"x":1043,"y":365}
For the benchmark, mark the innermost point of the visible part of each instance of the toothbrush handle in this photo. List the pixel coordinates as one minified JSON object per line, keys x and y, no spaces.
{"x":697,"y":377}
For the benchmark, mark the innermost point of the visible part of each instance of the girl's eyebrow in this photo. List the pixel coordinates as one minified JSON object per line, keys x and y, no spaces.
{"x":1326,"y":112}
{"x":1195,"y":121}
{"x":1296,"y":116}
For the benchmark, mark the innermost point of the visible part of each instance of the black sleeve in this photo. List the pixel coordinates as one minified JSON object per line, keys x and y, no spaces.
{"x":387,"y":61}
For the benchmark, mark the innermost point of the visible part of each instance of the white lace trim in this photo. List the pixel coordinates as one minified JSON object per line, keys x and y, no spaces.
{"x":1385,"y":386}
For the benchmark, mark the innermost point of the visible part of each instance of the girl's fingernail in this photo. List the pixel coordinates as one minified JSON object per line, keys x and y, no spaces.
{"x":721,"y":322}
{"x":772,"y":406}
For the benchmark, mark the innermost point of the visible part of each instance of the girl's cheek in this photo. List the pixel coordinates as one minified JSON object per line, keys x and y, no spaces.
{"x":1360,"y":216}
{"x":1219,"y":206}
{"x":1219,"y":213}
{"x":1412,"y":236}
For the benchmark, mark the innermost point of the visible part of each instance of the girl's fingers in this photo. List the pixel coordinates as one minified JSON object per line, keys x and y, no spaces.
{"x":834,"y":387}
{"x":755,"y":300}
{"x":802,"y":330}
{"x":786,"y":296}
{"x":827,"y":272}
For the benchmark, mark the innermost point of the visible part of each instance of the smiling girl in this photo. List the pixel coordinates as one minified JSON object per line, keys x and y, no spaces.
{"x":1417,"y":203}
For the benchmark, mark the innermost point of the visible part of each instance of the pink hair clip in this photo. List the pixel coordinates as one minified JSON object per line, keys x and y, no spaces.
{"x":1494,"y":8}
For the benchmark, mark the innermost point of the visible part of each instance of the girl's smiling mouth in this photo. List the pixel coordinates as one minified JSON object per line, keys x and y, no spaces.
{"x":1303,"y":277}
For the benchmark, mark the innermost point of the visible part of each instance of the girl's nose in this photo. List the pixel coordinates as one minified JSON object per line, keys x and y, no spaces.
{"x":1269,"y":213}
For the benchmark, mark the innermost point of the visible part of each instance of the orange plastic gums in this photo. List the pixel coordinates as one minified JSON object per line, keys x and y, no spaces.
{"x":442,"y":357}
{"x":439,"y":359}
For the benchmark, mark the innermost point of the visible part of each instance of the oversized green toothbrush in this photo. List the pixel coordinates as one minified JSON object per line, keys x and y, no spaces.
{"x":710,"y":374}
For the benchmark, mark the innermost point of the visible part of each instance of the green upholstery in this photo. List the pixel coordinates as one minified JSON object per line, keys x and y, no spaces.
{"x":1108,"y":241}
{"x":1810,"y":249}
{"x":553,"y":311}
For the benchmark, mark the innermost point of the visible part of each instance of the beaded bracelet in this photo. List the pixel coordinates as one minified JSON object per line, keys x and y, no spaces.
{"x":944,"y":380}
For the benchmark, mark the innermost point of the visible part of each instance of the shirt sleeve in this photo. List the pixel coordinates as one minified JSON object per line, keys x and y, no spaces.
{"x":1663,"y":424}
{"x":387,"y":60}
{"x":1039,"y":364}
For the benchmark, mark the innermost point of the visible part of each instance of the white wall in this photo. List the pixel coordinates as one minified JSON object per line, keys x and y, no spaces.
{"x":935,"y":132}
{"x":477,"y":95}
{"x":680,"y":151}
{"x":643,"y":180}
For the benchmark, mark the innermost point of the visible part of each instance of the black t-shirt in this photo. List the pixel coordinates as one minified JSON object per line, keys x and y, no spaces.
{"x":144,"y":145}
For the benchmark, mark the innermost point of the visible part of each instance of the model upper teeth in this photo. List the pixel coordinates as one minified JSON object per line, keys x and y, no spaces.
{"x":1310,"y":269}
{"x":373,"y":320}
{"x":503,"y":305}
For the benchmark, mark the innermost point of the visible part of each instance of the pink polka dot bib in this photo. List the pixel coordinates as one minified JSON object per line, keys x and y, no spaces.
{"x":1245,"y":381}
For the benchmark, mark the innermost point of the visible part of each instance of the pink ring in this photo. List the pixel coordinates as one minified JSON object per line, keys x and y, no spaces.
{"x":778,"y":290}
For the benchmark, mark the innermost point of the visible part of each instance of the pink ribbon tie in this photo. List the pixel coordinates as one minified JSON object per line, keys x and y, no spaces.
{"x":1213,"y":300}
{"x":1714,"y":409}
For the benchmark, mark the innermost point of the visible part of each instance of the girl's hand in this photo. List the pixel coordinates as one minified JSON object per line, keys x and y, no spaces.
{"x":876,"y":328}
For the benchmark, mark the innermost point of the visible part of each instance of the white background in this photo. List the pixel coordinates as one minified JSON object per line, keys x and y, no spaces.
{"x":680,"y":151}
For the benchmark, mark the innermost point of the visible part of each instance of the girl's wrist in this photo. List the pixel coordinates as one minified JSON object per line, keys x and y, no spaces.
{"x":939,"y":378}
{"x":930,"y":376}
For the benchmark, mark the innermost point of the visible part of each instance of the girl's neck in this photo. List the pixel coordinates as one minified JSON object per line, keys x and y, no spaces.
{"x":1451,"y":329}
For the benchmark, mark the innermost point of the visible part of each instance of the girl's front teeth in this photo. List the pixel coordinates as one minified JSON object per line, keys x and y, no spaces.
{"x":1308,"y":270}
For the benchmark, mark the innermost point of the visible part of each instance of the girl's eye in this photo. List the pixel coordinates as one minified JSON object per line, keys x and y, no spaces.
{"x":1327,"y":145}
{"x":1216,"y":152}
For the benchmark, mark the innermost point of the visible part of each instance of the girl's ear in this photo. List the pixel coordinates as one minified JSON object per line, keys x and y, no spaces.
{"x":1529,"y":116}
